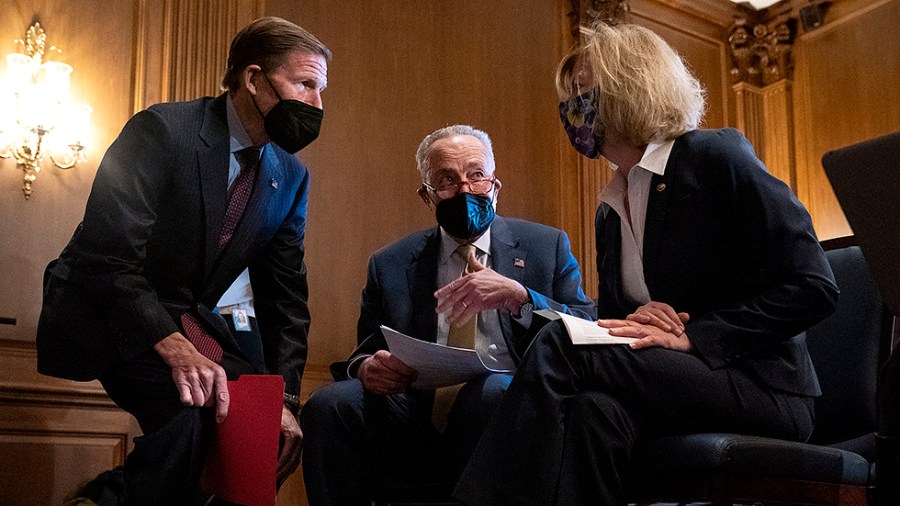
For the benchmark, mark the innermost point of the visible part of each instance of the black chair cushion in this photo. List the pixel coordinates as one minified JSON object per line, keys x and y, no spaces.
{"x":734,"y":453}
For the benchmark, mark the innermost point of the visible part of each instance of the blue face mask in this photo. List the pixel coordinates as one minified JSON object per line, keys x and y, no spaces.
{"x":578,"y":116}
{"x":465,"y":216}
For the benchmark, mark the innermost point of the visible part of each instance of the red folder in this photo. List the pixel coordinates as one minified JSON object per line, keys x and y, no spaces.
{"x":243,"y":455}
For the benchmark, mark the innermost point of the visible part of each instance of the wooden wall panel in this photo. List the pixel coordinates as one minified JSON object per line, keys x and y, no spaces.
{"x":181,"y":46}
{"x":54,"y":434}
{"x":400,"y":70}
{"x":845,"y":91}
{"x":33,"y":232}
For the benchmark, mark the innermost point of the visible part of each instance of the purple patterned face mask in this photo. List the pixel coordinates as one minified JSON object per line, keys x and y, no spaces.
{"x":578,"y":115}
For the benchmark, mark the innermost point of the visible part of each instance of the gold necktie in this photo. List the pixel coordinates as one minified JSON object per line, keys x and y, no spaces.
{"x":460,"y":336}
{"x":463,"y":335}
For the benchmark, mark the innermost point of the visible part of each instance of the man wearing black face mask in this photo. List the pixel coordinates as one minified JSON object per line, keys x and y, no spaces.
{"x":370,"y":429}
{"x":187,"y":197}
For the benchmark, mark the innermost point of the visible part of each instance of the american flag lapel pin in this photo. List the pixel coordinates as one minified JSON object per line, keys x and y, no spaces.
{"x":519,"y":263}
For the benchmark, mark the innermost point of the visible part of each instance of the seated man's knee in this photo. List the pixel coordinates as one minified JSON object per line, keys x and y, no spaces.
{"x":331,"y":403}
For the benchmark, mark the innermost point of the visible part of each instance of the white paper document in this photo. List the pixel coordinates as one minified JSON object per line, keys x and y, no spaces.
{"x":586,"y":331}
{"x":438,"y":365}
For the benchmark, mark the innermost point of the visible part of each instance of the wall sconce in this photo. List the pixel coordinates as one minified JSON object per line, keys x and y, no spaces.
{"x":36,"y":116}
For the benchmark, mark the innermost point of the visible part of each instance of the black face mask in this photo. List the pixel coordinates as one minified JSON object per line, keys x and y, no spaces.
{"x":465,"y":216}
{"x":291,"y":124}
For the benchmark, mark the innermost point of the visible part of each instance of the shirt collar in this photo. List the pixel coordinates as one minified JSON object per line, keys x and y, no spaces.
{"x":449,"y":244}
{"x":656,"y":156}
{"x":654,"y":160}
{"x":239,"y":137}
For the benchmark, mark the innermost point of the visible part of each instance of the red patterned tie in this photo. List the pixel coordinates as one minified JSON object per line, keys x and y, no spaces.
{"x":200,"y":338}
{"x":248,"y":158}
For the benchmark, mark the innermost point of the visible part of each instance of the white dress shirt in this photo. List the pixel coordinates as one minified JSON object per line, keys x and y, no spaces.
{"x":637,"y":186}
{"x":489,"y":342}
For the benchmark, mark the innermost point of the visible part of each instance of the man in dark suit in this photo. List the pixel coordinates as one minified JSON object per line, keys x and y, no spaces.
{"x":370,"y":429}
{"x":704,"y":258}
{"x":188,"y":196}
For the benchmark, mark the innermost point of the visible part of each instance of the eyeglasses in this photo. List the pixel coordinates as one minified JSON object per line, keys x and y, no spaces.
{"x":479,"y":186}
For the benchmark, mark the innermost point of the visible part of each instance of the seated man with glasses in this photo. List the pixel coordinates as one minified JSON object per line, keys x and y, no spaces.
{"x":473,"y":281}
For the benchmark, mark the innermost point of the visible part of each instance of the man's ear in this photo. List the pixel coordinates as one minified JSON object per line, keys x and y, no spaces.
{"x":248,"y":78}
{"x":423,"y":194}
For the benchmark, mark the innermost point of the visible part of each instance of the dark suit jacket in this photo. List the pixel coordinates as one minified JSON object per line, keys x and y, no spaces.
{"x":145,"y":252}
{"x":402,"y":279}
{"x":731,"y":245}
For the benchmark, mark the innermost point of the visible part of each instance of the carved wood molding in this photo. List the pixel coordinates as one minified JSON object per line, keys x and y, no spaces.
{"x":761,"y":41}
{"x":20,"y":383}
{"x":761,"y":51}
{"x":584,"y":13}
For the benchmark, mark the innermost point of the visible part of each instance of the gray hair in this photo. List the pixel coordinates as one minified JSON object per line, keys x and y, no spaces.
{"x":423,"y":154}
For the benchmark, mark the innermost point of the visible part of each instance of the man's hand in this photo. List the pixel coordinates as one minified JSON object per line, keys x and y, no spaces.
{"x":647,"y":335}
{"x":199,"y":380}
{"x":481,"y":290}
{"x":291,"y":446}
{"x":661,"y":315}
{"x":383,"y":374}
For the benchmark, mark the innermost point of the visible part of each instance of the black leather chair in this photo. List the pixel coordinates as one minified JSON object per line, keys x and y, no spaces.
{"x":834,"y":467}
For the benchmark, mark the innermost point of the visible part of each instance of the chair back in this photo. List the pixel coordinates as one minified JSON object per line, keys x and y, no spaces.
{"x":845,"y":351}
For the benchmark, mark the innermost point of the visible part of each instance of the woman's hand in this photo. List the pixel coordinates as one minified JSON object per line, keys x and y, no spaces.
{"x":660,"y":315}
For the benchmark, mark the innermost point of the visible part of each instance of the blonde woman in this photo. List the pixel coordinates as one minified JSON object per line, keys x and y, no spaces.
{"x":709,"y":262}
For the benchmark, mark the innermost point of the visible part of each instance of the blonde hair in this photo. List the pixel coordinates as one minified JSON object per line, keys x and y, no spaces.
{"x":645,"y":90}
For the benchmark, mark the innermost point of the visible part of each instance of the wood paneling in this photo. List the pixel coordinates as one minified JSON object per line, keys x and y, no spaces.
{"x":54,"y":434}
{"x":845,"y":91}
{"x":400,"y":70}
{"x":181,"y":46}
{"x":33,"y":232}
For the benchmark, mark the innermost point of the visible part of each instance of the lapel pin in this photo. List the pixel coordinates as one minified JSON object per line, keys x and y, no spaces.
{"x":660,"y":187}
{"x":273,"y":184}
{"x":519,"y":262}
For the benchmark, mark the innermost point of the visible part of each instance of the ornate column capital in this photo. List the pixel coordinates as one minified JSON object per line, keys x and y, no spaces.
{"x":761,"y":50}
{"x":584,"y":13}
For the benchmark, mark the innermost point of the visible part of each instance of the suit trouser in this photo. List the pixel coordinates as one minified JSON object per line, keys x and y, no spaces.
{"x":167,"y":460}
{"x":355,"y":442}
{"x":564,"y":432}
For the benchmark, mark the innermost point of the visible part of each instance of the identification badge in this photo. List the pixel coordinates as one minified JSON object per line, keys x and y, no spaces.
{"x":241,"y":320}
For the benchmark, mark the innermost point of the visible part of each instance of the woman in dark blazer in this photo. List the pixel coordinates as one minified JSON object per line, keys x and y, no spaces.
{"x":706,"y":259}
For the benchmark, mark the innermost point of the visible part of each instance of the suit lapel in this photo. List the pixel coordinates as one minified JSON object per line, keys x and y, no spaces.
{"x":270,"y":169}
{"x":421,"y":278}
{"x":212,"y":165}
{"x":657,"y":204}
{"x":608,"y":230}
{"x":509,"y":259}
